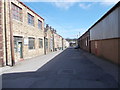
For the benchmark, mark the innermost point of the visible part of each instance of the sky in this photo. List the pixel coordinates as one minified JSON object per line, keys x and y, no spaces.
{"x":70,"y":19}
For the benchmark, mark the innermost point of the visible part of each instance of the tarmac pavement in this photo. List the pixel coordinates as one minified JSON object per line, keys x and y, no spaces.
{"x":71,"y":68}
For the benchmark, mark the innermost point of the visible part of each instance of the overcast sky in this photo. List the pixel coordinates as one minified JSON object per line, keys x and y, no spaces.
{"x":70,"y":18}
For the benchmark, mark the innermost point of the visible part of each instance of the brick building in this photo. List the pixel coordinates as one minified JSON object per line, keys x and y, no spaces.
{"x":23,"y":32}
{"x":49,"y":35}
{"x":54,"y":41}
{"x":103,"y":38}
{"x":1,"y":34}
{"x":84,"y":41}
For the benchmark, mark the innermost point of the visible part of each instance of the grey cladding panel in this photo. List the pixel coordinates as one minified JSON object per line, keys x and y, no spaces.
{"x":107,"y":28}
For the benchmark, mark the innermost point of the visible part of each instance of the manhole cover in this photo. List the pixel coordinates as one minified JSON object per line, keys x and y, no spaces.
{"x":66,"y":71}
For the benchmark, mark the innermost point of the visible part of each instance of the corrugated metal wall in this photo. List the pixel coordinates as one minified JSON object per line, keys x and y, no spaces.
{"x":105,"y":36}
{"x":107,"y":28}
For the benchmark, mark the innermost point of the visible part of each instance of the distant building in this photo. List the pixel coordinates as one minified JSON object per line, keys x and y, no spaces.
{"x":22,"y":34}
{"x":72,"y":42}
{"x":49,"y":41}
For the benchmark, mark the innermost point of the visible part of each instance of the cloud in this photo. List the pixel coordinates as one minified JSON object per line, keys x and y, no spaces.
{"x":63,"y":5}
{"x":66,"y":4}
{"x":108,"y":3}
{"x":85,"y":6}
{"x":69,"y":0}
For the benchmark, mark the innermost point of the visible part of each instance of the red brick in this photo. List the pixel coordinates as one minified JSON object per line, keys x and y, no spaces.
{"x":1,"y":53}
{"x":1,"y":45}
{"x":0,"y":16}
{"x":0,"y":9}
{"x":1,"y":62}
{"x":0,"y":2}
{"x":0,"y":30}
{"x":0,"y":22}
{"x":1,"y":38}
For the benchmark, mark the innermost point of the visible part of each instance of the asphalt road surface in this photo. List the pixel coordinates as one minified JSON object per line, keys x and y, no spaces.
{"x":70,"y":69}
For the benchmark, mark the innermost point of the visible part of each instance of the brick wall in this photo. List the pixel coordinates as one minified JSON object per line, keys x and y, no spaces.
{"x":1,"y":36}
{"x":25,"y":30}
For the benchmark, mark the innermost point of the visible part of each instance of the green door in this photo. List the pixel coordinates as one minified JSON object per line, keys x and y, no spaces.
{"x":20,"y":49}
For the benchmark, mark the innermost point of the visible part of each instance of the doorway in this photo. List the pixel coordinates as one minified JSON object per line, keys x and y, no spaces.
{"x":20,"y":50}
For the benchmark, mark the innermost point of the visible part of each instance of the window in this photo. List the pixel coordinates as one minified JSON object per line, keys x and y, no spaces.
{"x":16,"y":12}
{"x":40,"y":43}
{"x":30,"y":19}
{"x":31,"y":43}
{"x":40,"y":24}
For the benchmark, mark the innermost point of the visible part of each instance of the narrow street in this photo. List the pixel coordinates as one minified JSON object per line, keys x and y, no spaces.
{"x":72,"y":68}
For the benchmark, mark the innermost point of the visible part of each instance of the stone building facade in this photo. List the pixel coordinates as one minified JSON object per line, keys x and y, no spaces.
{"x":49,"y":43}
{"x":23,"y":32}
{"x":1,"y":34}
{"x":55,"y":41}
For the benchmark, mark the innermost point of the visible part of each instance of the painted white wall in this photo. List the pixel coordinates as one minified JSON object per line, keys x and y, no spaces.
{"x":107,"y":28}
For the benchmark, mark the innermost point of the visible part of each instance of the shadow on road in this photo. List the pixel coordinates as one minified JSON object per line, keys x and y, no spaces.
{"x":70,"y":69}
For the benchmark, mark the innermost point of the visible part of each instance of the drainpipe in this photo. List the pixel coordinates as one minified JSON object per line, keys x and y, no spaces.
{"x":11,"y":36}
{"x":62,"y":43}
{"x":53,"y":43}
{"x":5,"y":33}
{"x":44,"y":46}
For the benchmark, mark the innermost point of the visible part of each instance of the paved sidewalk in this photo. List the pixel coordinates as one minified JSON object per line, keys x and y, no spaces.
{"x":31,"y":64}
{"x":107,"y":66}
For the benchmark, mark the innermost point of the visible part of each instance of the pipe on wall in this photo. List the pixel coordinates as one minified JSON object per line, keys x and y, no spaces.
{"x":11,"y":36}
{"x":6,"y":56}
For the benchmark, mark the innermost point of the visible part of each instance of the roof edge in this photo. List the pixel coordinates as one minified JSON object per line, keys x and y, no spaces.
{"x":29,"y":9}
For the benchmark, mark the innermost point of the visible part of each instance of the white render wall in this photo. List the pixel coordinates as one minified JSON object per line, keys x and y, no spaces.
{"x":107,"y":28}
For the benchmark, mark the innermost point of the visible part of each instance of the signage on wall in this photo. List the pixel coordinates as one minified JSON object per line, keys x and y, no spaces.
{"x":25,"y":41}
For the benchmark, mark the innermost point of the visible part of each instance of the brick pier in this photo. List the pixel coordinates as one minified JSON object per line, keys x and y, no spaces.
{"x":1,"y":35}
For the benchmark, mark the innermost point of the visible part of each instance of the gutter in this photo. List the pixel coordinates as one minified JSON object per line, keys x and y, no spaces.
{"x":5,"y":33}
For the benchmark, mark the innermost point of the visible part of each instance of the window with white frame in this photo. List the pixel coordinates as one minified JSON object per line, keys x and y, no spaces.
{"x":40,"y":43}
{"x":31,"y":44}
{"x":30,"y":19}
{"x":40,"y":24}
{"x":16,"y":12}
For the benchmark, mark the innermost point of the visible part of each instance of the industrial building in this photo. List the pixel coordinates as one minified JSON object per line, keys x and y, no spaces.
{"x":103,"y":38}
{"x":53,"y":41}
{"x":22,"y":33}
{"x":84,"y":41}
